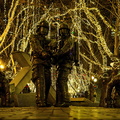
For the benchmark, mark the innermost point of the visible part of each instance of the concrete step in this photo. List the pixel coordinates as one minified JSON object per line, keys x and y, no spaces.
{"x":26,"y":100}
{"x":29,"y":99}
{"x":82,"y":101}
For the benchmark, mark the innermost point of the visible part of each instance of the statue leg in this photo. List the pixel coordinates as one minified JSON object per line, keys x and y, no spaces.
{"x":39,"y":81}
{"x":47,"y":84}
{"x":58,"y":95}
{"x":62,"y":88}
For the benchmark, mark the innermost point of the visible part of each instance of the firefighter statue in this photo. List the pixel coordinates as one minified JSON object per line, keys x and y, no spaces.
{"x":63,"y":58}
{"x":113,"y":87}
{"x":4,"y":90}
{"x":41,"y":63}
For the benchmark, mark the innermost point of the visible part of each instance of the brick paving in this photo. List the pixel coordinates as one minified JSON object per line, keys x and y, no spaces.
{"x":59,"y":113}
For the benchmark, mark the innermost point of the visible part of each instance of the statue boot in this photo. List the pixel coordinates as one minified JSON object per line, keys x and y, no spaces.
{"x":40,"y":93}
{"x":58,"y":99}
{"x":65,"y":100}
{"x":62,"y":97}
{"x":65,"y":95}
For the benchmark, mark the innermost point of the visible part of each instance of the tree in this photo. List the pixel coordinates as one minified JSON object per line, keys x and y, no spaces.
{"x":94,"y":26}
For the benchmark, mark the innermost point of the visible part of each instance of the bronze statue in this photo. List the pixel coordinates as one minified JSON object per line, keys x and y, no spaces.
{"x":113,"y":100}
{"x":46,"y":52}
{"x":4,"y":90}
{"x":41,"y":63}
{"x":63,"y":58}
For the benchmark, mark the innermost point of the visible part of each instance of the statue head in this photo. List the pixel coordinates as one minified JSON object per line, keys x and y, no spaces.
{"x":43,"y":28}
{"x":64,"y":31}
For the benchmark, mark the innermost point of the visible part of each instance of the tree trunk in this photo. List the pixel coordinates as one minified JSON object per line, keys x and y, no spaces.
{"x":117,"y":30}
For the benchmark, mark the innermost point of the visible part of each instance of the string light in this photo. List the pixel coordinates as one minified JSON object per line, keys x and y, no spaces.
{"x":30,"y":17}
{"x":5,"y":13}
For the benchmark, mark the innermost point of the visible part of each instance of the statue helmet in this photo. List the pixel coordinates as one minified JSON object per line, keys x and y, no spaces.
{"x":43,"y":28}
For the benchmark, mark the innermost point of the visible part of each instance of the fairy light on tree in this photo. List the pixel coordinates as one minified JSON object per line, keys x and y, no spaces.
{"x":5,"y":13}
{"x":86,"y":22}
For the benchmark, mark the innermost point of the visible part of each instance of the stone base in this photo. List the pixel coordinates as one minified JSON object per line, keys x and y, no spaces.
{"x":82,"y":101}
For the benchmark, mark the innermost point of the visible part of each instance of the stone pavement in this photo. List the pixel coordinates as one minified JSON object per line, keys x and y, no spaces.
{"x":59,"y":113}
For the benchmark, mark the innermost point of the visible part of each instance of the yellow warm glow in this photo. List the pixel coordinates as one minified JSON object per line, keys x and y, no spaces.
{"x":2,"y":66}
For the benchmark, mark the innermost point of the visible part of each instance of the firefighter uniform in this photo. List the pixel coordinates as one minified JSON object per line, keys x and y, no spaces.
{"x":41,"y":63}
{"x":63,"y":58}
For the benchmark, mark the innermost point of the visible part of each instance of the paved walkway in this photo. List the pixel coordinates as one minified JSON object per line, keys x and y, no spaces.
{"x":59,"y":113}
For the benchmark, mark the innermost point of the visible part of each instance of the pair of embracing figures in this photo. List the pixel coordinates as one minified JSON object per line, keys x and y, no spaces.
{"x":45,"y":53}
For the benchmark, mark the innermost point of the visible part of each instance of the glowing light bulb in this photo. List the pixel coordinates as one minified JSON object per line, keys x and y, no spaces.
{"x":95,"y":80}
{"x":92,"y":77}
{"x":2,"y":67}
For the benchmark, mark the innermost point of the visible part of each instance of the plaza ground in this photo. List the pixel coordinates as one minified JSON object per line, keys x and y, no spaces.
{"x":59,"y":113}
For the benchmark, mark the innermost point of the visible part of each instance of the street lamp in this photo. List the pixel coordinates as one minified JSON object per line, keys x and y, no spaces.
{"x":2,"y":67}
{"x":94,"y":79}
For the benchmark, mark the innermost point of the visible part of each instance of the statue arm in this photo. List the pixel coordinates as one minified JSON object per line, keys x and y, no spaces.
{"x":53,"y":44}
{"x":68,"y":45}
{"x":35,"y":44}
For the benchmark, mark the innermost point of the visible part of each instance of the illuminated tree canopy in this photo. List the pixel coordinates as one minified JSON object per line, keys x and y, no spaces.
{"x":94,"y":25}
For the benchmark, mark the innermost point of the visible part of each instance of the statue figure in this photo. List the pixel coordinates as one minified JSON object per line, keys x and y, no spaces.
{"x":63,"y":58}
{"x":113,"y":100}
{"x":41,"y":63}
{"x":105,"y":79}
{"x":4,"y":90}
